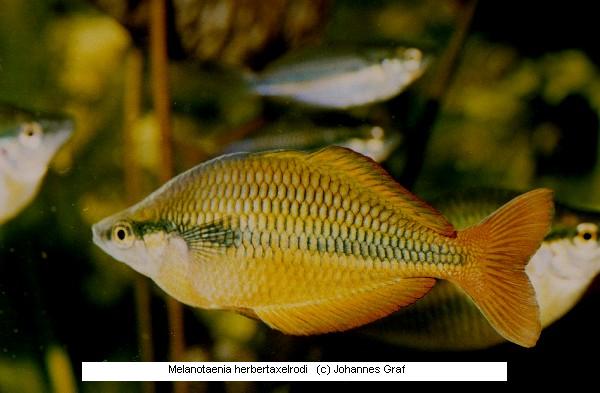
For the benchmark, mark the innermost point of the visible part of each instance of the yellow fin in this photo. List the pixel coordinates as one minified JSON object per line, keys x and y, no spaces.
{"x":499,"y":286}
{"x":373,"y":177}
{"x":347,"y":311}
{"x":247,"y":312}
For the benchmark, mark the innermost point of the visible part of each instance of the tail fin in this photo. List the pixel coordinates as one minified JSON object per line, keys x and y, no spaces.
{"x":499,"y":286}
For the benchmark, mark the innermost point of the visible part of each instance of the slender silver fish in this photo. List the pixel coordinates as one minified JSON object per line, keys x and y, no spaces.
{"x":371,"y":141}
{"x":345,"y":80}
{"x":560,"y":271}
{"x":28,"y":141}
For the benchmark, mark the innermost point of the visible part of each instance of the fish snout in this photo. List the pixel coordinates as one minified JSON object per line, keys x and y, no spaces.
{"x":96,"y":234}
{"x":64,"y":128}
{"x":100,"y":232}
{"x":58,"y":130}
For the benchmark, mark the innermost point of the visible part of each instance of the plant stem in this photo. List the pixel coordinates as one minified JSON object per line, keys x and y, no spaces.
{"x":162,"y":107}
{"x":132,"y":175}
{"x":419,"y":132}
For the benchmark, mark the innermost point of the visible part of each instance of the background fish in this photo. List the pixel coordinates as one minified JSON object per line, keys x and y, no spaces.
{"x":371,"y":141}
{"x":343,"y":80}
{"x":28,"y":141}
{"x":322,"y":242}
{"x":560,"y":271}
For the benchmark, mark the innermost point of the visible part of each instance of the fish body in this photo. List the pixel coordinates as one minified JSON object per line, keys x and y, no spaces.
{"x":368,"y":140}
{"x":560,"y":271}
{"x":344,"y":80}
{"x":28,"y":141}
{"x":319,"y":242}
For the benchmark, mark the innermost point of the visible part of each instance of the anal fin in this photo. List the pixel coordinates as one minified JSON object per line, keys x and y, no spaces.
{"x":345,"y":311}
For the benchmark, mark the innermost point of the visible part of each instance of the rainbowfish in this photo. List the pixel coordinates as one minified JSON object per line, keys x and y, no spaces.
{"x":371,"y":141}
{"x":343,"y":80}
{"x":560,"y":271}
{"x":319,"y":242}
{"x":28,"y":141}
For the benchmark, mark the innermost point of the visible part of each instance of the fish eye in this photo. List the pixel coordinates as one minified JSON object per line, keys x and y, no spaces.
{"x":122,"y":234}
{"x":587,"y":232}
{"x":413,"y":55}
{"x":377,"y":132}
{"x":31,"y":134}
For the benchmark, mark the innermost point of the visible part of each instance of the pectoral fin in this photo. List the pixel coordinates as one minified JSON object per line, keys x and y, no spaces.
{"x":206,"y":241}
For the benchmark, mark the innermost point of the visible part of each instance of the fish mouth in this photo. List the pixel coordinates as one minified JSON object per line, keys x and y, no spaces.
{"x":425,"y":62}
{"x":59,"y":129}
{"x":96,"y":238}
{"x":99,"y":231}
{"x":64,"y":129}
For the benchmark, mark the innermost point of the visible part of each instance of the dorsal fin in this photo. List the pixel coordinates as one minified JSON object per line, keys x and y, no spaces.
{"x":373,"y":177}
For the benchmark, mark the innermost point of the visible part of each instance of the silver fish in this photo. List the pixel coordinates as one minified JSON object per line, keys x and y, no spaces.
{"x":560,"y":271}
{"x":345,"y":80}
{"x":371,"y":141}
{"x":28,"y":141}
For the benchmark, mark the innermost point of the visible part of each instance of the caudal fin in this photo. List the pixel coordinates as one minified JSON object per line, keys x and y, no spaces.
{"x":497,"y":281}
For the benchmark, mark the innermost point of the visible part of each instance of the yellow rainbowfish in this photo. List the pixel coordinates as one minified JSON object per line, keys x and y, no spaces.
{"x":319,"y":242}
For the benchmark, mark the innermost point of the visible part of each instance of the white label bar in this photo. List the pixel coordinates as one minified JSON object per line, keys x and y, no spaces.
{"x":294,"y":371}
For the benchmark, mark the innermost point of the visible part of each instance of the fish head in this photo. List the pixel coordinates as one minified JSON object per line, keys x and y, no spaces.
{"x":402,"y":66}
{"x":575,"y":243}
{"x":28,"y":141}
{"x":134,"y":238}
{"x":411,"y":61}
{"x":411,"y":56}
{"x":566,"y":263}
{"x":373,"y":142}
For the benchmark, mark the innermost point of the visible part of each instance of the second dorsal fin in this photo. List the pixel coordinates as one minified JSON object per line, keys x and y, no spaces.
{"x":372,"y":176}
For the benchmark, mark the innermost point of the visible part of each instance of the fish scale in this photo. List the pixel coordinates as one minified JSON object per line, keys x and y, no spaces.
{"x":313,"y":231}
{"x":326,"y":241}
{"x":560,"y":271}
{"x":330,"y":224}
